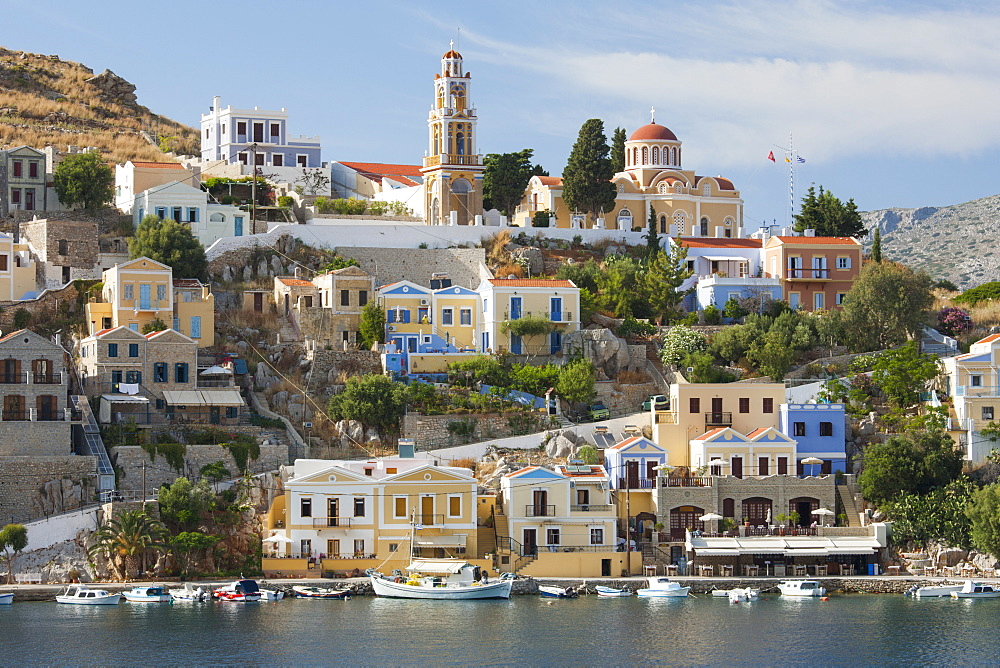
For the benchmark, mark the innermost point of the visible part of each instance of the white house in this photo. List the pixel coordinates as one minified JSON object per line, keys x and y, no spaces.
{"x":185,"y":204}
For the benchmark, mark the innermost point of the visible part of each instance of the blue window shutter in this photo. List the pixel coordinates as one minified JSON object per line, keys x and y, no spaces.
{"x":196,"y":327}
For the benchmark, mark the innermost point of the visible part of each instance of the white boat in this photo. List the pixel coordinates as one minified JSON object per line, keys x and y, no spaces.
{"x":933,"y":591}
{"x":240,"y":591}
{"x":271,"y":594}
{"x":83,"y":595}
{"x":190,"y":592}
{"x":611,"y":592}
{"x":448,"y":579}
{"x":975,"y":590}
{"x":302,"y":591}
{"x":661,"y":587}
{"x":6,"y":599}
{"x":801,"y":588}
{"x":744,"y":595}
{"x":551,"y":591}
{"x":155,"y":594}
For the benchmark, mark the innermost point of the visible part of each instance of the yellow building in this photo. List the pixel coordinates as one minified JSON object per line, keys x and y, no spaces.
{"x":343,"y":515}
{"x":453,"y":170}
{"x":973,"y":382}
{"x":685,"y":204}
{"x":421,"y":320}
{"x":141,"y":291}
{"x":509,"y":299}
{"x":696,"y":408}
{"x":17,"y":271}
{"x":764,"y":451}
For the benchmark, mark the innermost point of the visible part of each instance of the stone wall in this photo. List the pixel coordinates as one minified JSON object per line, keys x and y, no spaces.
{"x":325,"y":326}
{"x":131,"y":458}
{"x":622,"y":399}
{"x":79,"y":237}
{"x":389,"y":265}
{"x":328,"y":364}
{"x":47,"y":304}
{"x":780,"y":489}
{"x":34,"y":487}
{"x":432,"y":430}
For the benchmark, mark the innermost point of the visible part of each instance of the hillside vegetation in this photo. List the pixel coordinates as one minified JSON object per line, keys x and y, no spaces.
{"x":48,"y":101}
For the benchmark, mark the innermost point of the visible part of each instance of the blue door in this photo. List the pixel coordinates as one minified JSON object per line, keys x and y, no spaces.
{"x":515,"y":344}
{"x":555,"y":307}
{"x":515,"y":308}
{"x":144,"y":295}
{"x":238,"y":226}
{"x":555,"y":342}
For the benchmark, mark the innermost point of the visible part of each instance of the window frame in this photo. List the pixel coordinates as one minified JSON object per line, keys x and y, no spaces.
{"x":826,"y":429}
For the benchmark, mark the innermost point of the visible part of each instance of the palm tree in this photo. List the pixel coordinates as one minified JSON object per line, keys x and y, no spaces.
{"x":128,"y":536}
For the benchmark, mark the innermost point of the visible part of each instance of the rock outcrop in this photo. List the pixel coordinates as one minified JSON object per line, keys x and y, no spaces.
{"x":113,"y":88}
{"x":600,"y":347}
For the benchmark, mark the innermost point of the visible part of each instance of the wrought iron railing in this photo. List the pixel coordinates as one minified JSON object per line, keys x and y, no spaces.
{"x":331,"y":522}
{"x":535,"y":510}
{"x":718,"y":419}
{"x":592,"y":508}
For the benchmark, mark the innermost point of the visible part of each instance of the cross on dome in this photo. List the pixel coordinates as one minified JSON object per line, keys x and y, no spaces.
{"x":652,"y":115}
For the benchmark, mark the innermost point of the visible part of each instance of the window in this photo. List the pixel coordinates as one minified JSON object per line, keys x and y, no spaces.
{"x":976,"y":380}
{"x":242,"y":157}
{"x":826,"y":429}
{"x":394,"y":547}
{"x":278,"y":159}
{"x":177,"y":214}
{"x":275,"y":130}
{"x":465,"y":317}
{"x":3,"y":263}
{"x":782,"y":465}
{"x":818,"y":300}
{"x":129,"y":291}
{"x":193,"y":214}
{"x":359,"y":546}
{"x":18,"y":170}
{"x":359,"y":506}
{"x":232,"y":412}
{"x":181,"y":372}
{"x":694,"y":405}
{"x":196,"y":327}
{"x":362,"y":297}
{"x":241,"y":127}
{"x":552,"y":536}
{"x":843,"y":263}
{"x":369,"y":471}
{"x":768,"y":406}
{"x":63,"y":247}
{"x":840,"y":298}
{"x":399,"y":506}
{"x":112,"y":350}
{"x":987,"y":412}
{"x":596,"y":536}
{"x":744,"y":404}
{"x":728,"y":507}
{"x":454,"y":506}
{"x":798,"y":429}
{"x":763,"y":466}
{"x":133,"y":377}
{"x":161,"y":292}
{"x":447,"y":316}
{"x":207,"y":133}
{"x":160,"y":372}
{"x":133,"y":350}
{"x":300,"y":160}
{"x":258,"y":159}
{"x":134,"y":326}
{"x":15,"y":195}
{"x":116,"y":376}
{"x":306,"y":507}
{"x":238,"y":226}
{"x":345,"y":297}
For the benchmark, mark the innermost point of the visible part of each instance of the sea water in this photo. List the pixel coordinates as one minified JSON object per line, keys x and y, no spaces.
{"x":845,"y":630}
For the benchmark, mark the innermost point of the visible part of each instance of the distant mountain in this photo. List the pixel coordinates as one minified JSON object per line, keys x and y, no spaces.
{"x":960,"y":242}
{"x":48,"y":101}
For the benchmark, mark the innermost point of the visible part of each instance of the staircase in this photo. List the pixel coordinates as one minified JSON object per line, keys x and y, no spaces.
{"x":654,"y":555}
{"x":656,"y":370}
{"x":850,"y":499}
{"x":564,"y":422}
{"x":933,"y":342}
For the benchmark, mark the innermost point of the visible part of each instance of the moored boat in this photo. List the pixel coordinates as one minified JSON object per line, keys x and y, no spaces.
{"x":611,"y":592}
{"x":453,"y":579}
{"x":933,"y":591}
{"x":801,"y":588}
{"x":302,"y":591}
{"x":155,"y":594}
{"x":240,"y":591}
{"x":6,"y":599}
{"x":662,"y":587}
{"x":743,"y":595}
{"x":976,"y":590}
{"x":190,"y":592}
{"x":551,"y":591}
{"x":83,"y":595}
{"x":271,"y":594}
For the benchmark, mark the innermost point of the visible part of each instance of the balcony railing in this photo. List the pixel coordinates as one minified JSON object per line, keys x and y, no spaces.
{"x":451,"y":159}
{"x":718,"y":419}
{"x":331,"y":522}
{"x":699,"y":481}
{"x":554,"y":316}
{"x":640,"y":483}
{"x":16,"y":416}
{"x":666,"y":417}
{"x":592,"y":508}
{"x":13,"y":378}
{"x":809,"y":274}
{"x":977,"y":391}
{"x":47,"y":378}
{"x":429,"y":519}
{"x":540,"y":511}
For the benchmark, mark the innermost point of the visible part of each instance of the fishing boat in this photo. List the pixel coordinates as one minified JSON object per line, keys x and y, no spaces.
{"x":320,"y":592}
{"x":975,"y":590}
{"x":611,"y":592}
{"x":662,"y":587}
{"x":801,"y":588}
{"x":240,"y":591}
{"x":190,"y":593}
{"x":550,"y":591}
{"x":449,"y":579}
{"x":155,"y":594}
{"x":83,"y":595}
{"x":933,"y":591}
{"x":271,"y":595}
{"x":737,"y":595}
{"x":6,"y":599}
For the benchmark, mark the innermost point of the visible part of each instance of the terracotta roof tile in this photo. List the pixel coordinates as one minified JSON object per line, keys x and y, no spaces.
{"x":651,"y":132}
{"x":159,"y":165}
{"x":531,"y":283}
{"x":718,"y":242}
{"x":301,"y":282}
{"x":377,"y":170}
{"x":626,"y":442}
{"x":12,"y":334}
{"x":757,"y":431}
{"x":847,"y":241}
{"x":989,"y":339}
{"x":550,"y":180}
{"x":710,"y":434}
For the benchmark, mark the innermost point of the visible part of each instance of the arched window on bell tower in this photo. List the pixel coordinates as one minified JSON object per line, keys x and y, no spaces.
{"x":645,"y":155}
{"x":460,"y":143}
{"x":656,"y":155}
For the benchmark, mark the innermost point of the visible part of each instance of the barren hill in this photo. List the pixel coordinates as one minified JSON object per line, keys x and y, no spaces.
{"x":48,"y":101}
{"x":960,"y":242}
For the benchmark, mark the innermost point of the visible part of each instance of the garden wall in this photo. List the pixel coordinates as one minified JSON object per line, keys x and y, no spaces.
{"x":432,"y":430}
{"x":130,"y":459}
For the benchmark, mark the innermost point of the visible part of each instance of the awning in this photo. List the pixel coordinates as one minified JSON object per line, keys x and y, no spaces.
{"x":222,"y":397}
{"x":719,"y":552}
{"x":723,"y":258}
{"x":439,"y":541}
{"x":437,"y":565}
{"x":203,"y":397}
{"x":125,"y":398}
{"x":807,"y":553}
{"x":851,"y":550}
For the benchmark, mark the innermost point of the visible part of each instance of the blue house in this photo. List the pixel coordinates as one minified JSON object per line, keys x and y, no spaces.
{"x":820,"y":430}
{"x":255,"y":137}
{"x":633,"y":463}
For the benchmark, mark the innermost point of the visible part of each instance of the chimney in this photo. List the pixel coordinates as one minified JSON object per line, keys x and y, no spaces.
{"x":216,"y":104}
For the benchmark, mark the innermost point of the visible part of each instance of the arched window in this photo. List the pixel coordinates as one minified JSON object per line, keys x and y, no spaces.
{"x":635,"y":156}
{"x":624,"y":219}
{"x":662,"y":188}
{"x":663,"y":223}
{"x":728,"y":508}
{"x":685,"y":517}
{"x":706,"y":190}
{"x":217,"y":218}
{"x":656,"y":155}
{"x":645,"y":155}
{"x":461,"y":186}
{"x":677,"y":188}
{"x":460,"y":143}
{"x":704,"y":227}
{"x":673,"y":156}
{"x":678,"y":163}
{"x":756,"y":510}
{"x":680,"y":222}
{"x":621,"y":187}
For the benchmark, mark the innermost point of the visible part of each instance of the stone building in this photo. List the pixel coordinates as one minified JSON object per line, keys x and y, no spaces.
{"x":343,"y":293}
{"x":63,"y":250}
{"x":34,"y":384}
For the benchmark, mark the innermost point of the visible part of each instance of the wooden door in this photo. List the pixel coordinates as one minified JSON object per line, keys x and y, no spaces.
{"x":258,"y":302}
{"x":540,"y":499}
{"x":11,"y":370}
{"x":529,"y":543}
{"x":737,"y":466}
{"x":13,"y":407}
{"x":333,"y":548}
{"x":427,"y":510}
{"x":717,"y":410}
{"x":46,"y":407}
{"x":763,"y":466}
{"x":632,"y":474}
{"x":333,"y":512}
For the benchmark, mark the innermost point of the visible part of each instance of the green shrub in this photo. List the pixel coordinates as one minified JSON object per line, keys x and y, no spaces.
{"x":981,"y":293}
{"x":286,"y":201}
{"x":21,"y":318}
{"x":712,"y":315}
{"x":631,"y":327}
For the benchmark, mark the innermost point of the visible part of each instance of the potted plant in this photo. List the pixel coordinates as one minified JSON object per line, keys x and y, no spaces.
{"x":782,"y":520}
{"x":793,"y":519}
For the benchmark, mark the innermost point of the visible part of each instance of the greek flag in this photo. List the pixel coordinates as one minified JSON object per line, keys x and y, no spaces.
{"x":800,"y":159}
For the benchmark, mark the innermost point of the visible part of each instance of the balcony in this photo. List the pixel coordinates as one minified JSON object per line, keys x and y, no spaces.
{"x":13,"y":378}
{"x":666,"y":417}
{"x":540,"y":511}
{"x":718,"y":419}
{"x":699,"y":481}
{"x":429,"y":519}
{"x":636,"y":483}
{"x":147,"y":304}
{"x":452,"y":159}
{"x":47,"y":378}
{"x":592,"y":508}
{"x":555,"y":316}
{"x":331,"y":522}
{"x":977,"y":391}
{"x":808,"y":274}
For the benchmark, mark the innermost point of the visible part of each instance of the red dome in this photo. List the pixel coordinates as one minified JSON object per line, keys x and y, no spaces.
{"x":652,"y":131}
{"x":451,"y":54}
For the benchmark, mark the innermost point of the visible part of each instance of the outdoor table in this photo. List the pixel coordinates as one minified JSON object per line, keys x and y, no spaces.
{"x":847,"y":569}
{"x":929,"y":571}
{"x":821,"y":570}
{"x":968,"y":570}
{"x":727,"y":571}
{"x":892,"y":570}
{"x":949,"y":571}
{"x":649,"y":570}
{"x":800,"y":570}
{"x":671,"y":569}
{"x":751,"y":571}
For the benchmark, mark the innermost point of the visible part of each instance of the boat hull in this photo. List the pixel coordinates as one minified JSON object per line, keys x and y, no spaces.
{"x":304,"y":592}
{"x":113,"y":599}
{"x":964,"y":594}
{"x":664,"y":593}
{"x":271,"y":595}
{"x":6,"y":599}
{"x":549,"y":591}
{"x":936,"y":591}
{"x":611,"y":592}
{"x":165,"y":598}
{"x":390,"y":589}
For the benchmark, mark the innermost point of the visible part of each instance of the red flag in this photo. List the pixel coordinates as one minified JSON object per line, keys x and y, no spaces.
{"x":770,"y":156}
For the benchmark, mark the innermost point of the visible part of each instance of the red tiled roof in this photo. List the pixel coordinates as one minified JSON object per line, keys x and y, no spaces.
{"x":295,"y":281}
{"x":847,"y":241}
{"x":710,"y":434}
{"x":989,"y":339}
{"x":531,"y":283}
{"x":105,"y":331}
{"x":594,"y":470}
{"x":653,"y":131}
{"x":377,"y":170}
{"x":14,"y":333}
{"x":550,"y":180}
{"x":758,"y":430}
{"x":628,"y":441}
{"x":719,"y":242}
{"x":152,"y":334}
{"x":524,"y":470}
{"x":725,"y":184}
{"x":159,"y":165}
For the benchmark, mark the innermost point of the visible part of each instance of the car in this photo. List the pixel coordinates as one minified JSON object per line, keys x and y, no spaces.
{"x":598,"y":411}
{"x":657,"y":401}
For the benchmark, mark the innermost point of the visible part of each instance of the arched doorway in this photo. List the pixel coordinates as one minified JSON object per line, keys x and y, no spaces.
{"x":685,"y":517}
{"x":461,"y":189}
{"x":804,"y":506}
{"x":435,"y":212}
{"x":704,"y":227}
{"x":757,"y":511}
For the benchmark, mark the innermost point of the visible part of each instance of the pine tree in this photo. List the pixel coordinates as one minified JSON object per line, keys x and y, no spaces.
{"x":652,"y":238}
{"x":504,"y":179}
{"x":587,"y":185}
{"x":665,"y":273}
{"x":828,"y":215}
{"x":618,"y":150}
{"x":877,"y":246}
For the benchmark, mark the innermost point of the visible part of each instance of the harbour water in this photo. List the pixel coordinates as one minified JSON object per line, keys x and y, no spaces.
{"x":846,"y":630}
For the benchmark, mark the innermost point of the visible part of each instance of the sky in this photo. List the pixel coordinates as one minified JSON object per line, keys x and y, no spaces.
{"x":893,"y":104}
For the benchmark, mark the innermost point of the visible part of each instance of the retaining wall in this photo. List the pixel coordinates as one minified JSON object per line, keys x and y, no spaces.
{"x":131,"y":458}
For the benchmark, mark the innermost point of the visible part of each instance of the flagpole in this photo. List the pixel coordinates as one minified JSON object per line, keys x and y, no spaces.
{"x":791,"y":180}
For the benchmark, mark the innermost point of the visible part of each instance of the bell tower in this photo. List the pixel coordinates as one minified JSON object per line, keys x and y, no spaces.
{"x":453,"y":170}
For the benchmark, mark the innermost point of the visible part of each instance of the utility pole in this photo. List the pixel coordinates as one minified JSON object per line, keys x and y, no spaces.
{"x":253,"y":188}
{"x":144,"y":485}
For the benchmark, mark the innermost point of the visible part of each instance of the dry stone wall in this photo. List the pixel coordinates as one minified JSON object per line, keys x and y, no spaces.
{"x":389,"y":265}
{"x":432,"y":430}
{"x":34,"y":487}
{"x":131,"y":458}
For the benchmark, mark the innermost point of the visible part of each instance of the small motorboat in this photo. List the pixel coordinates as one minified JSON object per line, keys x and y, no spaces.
{"x":744,"y":595}
{"x":83,"y":595}
{"x":975,"y":590}
{"x":147,"y":595}
{"x":191,"y":593}
{"x":550,"y":591}
{"x":801,"y":588}
{"x":240,"y":591}
{"x":6,"y":599}
{"x":611,"y":592}
{"x":271,"y":595}
{"x":933,"y":591}
{"x":440,"y":579}
{"x":662,"y":587}
{"x":320,"y":592}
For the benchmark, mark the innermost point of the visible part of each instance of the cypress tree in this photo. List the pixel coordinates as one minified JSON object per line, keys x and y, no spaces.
{"x":652,"y":238}
{"x":618,"y":150}
{"x":587,"y":183}
{"x":877,"y":246}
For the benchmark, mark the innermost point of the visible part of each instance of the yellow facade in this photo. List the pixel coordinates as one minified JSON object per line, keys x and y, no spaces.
{"x":140,"y":291}
{"x":506,"y":300}
{"x":696,"y":408}
{"x":973,"y":380}
{"x":764,"y":451}
{"x":17,"y":271}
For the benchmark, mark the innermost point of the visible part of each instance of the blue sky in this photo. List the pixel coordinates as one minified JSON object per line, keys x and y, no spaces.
{"x":893,"y":104}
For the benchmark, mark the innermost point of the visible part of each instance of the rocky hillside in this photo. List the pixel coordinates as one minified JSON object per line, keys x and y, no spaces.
{"x":955,"y":242}
{"x":48,"y":101}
